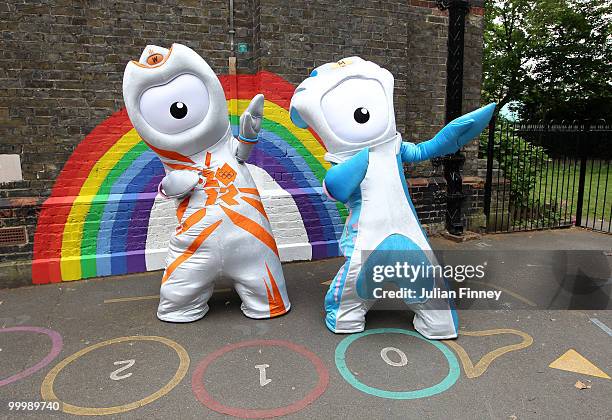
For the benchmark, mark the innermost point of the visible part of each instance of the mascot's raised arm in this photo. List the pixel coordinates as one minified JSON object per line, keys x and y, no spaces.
{"x":176,"y":103}
{"x":349,"y":104}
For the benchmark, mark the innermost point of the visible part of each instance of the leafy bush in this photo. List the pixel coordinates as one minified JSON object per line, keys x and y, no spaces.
{"x":523,"y":164}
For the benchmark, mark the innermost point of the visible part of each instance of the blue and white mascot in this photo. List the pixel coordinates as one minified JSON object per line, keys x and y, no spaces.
{"x":349,"y":104}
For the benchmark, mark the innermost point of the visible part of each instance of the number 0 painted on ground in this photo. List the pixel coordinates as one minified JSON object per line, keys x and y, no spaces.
{"x":450,"y":379}
{"x":384,"y":353}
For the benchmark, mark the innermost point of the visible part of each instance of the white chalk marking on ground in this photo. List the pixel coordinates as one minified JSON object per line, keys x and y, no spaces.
{"x":263,"y":381}
{"x":403,"y":358}
{"x":131,"y":299}
{"x":601,"y":325}
{"x":128,"y":364}
{"x":135,"y":298}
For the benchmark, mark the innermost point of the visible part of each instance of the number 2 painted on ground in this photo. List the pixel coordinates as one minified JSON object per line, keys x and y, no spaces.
{"x":128,"y":364}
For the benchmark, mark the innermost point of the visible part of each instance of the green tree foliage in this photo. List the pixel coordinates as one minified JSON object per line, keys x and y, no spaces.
{"x":553,"y":56}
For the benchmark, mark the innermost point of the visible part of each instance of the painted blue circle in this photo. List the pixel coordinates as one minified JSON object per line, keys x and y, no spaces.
{"x":446,"y":383}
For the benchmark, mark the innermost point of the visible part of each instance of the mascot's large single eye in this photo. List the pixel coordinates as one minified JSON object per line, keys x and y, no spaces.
{"x":361,"y":115}
{"x":356,"y":110}
{"x":176,"y":106}
{"x":178,"y":110}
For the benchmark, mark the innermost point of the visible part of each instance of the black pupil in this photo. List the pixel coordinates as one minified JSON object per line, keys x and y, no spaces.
{"x":362,"y":115}
{"x":178,"y":110}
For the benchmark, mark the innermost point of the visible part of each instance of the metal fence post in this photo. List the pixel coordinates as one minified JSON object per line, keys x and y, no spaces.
{"x":489,"y":177}
{"x":581,"y":179}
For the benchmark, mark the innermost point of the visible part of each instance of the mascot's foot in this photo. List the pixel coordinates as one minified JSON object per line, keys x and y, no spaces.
{"x":344,"y":327}
{"x":249,"y":313}
{"x":436,"y":337}
{"x":439,"y":332}
{"x":183,"y":317}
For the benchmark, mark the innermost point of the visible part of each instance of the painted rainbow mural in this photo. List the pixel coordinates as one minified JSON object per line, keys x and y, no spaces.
{"x":96,"y":220}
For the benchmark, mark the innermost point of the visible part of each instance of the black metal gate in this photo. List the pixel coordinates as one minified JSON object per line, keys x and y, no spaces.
{"x":547,"y":175}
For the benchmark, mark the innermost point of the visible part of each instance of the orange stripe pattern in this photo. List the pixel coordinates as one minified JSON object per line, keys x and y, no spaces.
{"x":190,"y":250}
{"x":257,"y":204}
{"x":249,"y":191}
{"x":180,"y":211}
{"x":169,"y":154}
{"x":210,"y":178}
{"x":191,"y":220}
{"x":252,"y":227}
{"x":275,"y":299}
{"x":228,"y":197}
{"x":211,"y":196}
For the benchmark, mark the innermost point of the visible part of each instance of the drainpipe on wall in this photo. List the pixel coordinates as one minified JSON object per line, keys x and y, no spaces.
{"x":232,"y":60}
{"x":232,"y":31}
{"x":457,"y":10}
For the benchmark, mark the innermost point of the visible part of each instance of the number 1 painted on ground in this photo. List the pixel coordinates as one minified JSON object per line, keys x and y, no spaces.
{"x":263,"y":381}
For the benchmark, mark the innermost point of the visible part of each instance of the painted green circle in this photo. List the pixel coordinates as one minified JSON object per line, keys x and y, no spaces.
{"x":446,"y":383}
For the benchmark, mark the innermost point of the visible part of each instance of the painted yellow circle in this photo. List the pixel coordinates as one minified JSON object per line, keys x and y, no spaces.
{"x":46,"y":388}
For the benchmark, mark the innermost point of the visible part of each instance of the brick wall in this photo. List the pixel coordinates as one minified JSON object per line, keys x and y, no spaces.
{"x":61,"y":66}
{"x":61,"y":69}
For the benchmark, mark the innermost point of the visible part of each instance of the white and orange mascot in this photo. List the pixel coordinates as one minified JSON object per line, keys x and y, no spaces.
{"x":176,"y":103}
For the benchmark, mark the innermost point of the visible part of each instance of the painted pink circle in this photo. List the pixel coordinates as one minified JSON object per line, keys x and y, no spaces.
{"x":56,"y":348}
{"x":199,"y":390}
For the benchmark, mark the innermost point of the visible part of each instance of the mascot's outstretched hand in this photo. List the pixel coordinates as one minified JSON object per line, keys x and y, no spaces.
{"x":451,"y":138}
{"x":250,"y":124}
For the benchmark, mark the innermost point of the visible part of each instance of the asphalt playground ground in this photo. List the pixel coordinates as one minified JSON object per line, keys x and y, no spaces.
{"x":96,"y":347}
